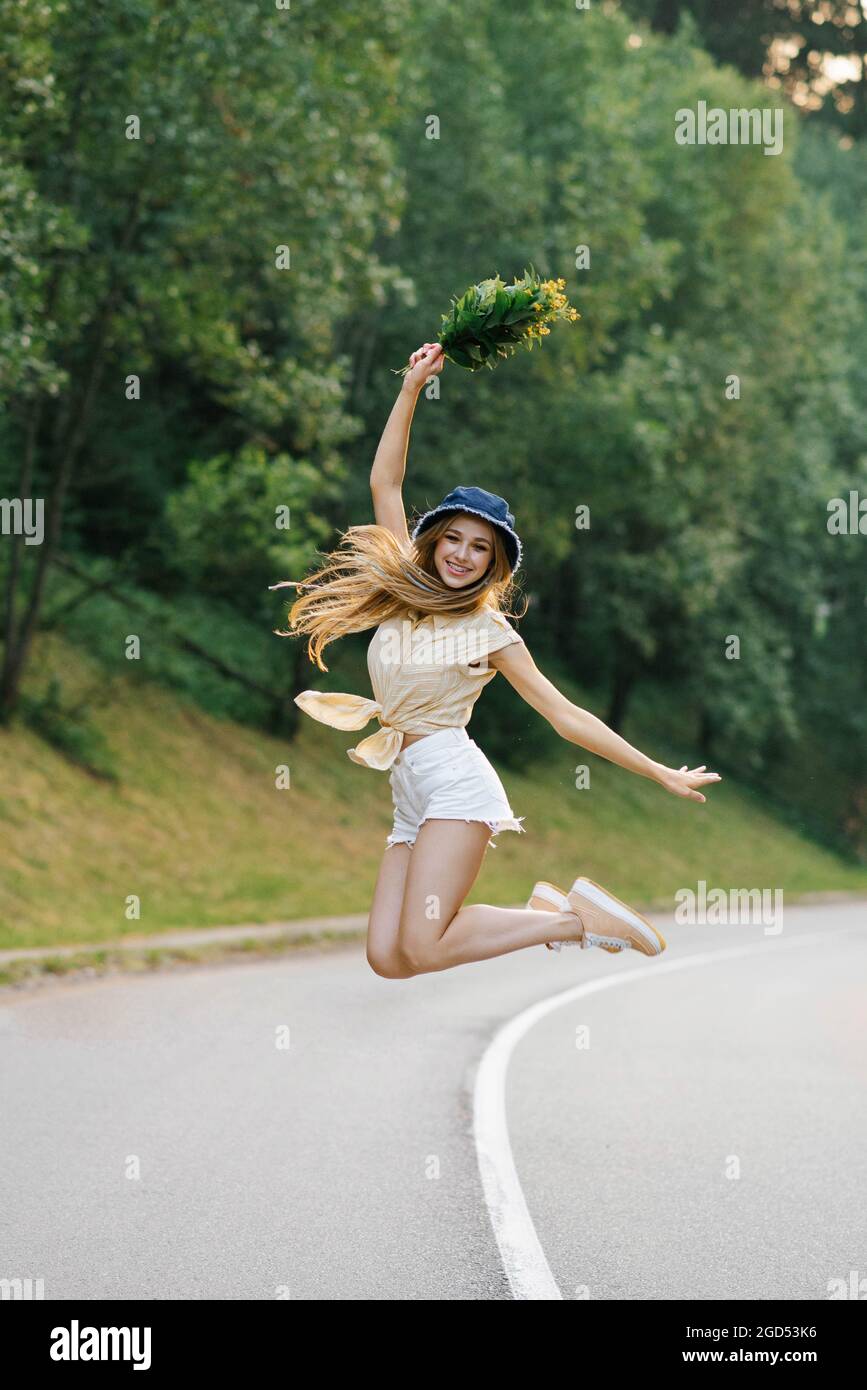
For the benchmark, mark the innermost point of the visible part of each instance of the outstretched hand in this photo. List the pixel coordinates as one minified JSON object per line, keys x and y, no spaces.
{"x":685,"y":782}
{"x":425,"y":362}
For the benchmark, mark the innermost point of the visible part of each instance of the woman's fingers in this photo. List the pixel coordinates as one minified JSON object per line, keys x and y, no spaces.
{"x":424,"y":350}
{"x":690,"y":781}
{"x":430,"y":355}
{"x":699,"y":774}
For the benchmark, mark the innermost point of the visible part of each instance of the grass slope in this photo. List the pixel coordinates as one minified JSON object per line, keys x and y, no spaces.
{"x":197,"y":829}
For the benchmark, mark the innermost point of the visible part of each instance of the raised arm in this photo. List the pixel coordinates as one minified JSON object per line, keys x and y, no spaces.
{"x":389,"y":465}
{"x":579,"y":726}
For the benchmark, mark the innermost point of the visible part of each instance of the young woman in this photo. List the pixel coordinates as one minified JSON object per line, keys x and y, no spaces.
{"x":435,"y":599}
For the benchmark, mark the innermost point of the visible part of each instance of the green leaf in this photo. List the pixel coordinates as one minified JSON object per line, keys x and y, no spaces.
{"x":457,"y":355}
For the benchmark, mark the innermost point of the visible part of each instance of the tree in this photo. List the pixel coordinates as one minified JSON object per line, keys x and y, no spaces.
{"x":171,"y":154}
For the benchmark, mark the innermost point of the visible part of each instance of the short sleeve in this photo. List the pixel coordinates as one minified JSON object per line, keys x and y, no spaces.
{"x":496,"y":631}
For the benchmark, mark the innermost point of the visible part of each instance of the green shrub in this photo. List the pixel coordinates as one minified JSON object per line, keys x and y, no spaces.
{"x":68,"y":729}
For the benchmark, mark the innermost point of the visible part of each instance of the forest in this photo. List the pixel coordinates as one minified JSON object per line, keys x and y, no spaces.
{"x":225,"y":228}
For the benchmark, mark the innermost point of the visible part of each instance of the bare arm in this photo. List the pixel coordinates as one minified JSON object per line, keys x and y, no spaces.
{"x":579,"y":726}
{"x":389,"y":464}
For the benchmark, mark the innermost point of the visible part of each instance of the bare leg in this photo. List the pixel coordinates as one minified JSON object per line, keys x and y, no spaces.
{"x":383,"y":945}
{"x":436,"y":931}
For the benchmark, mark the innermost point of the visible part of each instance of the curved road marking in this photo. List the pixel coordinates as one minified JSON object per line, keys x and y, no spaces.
{"x":524,"y":1261}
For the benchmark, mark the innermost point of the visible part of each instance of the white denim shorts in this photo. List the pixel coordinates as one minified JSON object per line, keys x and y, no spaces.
{"x":446,"y":776}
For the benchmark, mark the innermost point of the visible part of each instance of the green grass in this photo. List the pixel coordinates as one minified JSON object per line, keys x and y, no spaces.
{"x":87,"y":964}
{"x":195,"y":827}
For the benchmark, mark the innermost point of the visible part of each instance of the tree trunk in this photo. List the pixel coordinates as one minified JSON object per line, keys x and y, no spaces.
{"x":855,"y":819}
{"x":364,"y":359}
{"x":624,"y":680}
{"x":705,"y":734}
{"x":13,"y":655}
{"x":564,"y":609}
{"x":285,"y":715}
{"x":18,"y":649}
{"x":8,"y":679}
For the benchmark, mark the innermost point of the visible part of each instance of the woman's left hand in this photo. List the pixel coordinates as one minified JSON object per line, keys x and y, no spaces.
{"x":685,"y":781}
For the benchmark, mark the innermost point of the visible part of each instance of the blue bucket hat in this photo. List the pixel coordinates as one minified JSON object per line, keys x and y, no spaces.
{"x":480,"y":503}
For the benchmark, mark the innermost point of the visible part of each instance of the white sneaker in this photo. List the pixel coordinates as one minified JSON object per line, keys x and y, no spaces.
{"x":547,"y":897}
{"x":607,"y":922}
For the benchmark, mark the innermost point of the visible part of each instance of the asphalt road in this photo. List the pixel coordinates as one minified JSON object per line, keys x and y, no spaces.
{"x":709,"y":1142}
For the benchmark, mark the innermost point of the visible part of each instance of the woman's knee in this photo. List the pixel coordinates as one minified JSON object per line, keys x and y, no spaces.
{"x":390,"y":965}
{"x":420,"y":948}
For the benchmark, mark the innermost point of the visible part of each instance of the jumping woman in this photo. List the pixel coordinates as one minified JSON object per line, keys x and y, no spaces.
{"x":436,"y":600}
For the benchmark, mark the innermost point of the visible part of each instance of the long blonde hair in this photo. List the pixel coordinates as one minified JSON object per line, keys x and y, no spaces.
{"x":373,"y":576}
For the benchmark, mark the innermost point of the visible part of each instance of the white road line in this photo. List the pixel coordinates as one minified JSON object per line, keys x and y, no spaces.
{"x":524,"y":1261}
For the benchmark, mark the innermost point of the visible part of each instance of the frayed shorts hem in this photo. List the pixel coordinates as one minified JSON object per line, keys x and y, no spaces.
{"x":398,"y":837}
{"x":446,"y":776}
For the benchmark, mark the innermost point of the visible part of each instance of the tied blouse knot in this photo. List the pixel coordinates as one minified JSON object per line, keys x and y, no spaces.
{"x":426,"y":675}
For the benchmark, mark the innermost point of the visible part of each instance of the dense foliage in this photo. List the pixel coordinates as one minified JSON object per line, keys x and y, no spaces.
{"x":222,"y":227}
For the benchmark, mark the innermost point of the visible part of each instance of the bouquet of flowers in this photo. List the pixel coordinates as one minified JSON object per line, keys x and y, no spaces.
{"x":493,"y":319}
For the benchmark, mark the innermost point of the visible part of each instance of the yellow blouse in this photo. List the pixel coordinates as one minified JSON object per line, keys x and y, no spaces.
{"x":426,"y":674}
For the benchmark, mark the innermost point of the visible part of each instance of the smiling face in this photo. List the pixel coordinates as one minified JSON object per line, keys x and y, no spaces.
{"x":464,"y":550}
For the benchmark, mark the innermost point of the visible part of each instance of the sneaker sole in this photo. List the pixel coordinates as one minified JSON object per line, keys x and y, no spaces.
{"x":601,"y":897}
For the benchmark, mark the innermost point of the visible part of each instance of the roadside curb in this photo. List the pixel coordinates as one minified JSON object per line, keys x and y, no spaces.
{"x":197,"y":936}
{"x":208,"y":945}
